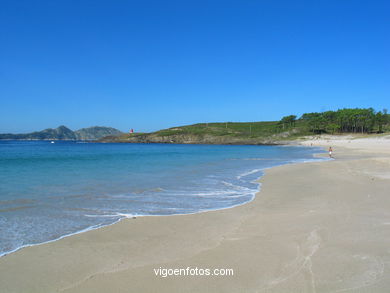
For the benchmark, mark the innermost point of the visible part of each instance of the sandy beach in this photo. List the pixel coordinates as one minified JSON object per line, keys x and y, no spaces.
{"x":313,"y":227}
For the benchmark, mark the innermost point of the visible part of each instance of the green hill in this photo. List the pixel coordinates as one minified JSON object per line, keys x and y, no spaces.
{"x":269,"y":132}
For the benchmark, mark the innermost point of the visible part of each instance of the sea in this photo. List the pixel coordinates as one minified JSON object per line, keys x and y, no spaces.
{"x":51,"y":190}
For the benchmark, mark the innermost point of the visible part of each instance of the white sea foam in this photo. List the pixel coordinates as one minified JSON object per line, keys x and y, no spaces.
{"x":94,"y":227}
{"x":248,"y":173}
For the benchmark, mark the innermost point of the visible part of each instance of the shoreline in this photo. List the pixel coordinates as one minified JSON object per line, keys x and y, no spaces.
{"x":307,"y":234}
{"x":276,"y":143}
{"x":316,"y":158}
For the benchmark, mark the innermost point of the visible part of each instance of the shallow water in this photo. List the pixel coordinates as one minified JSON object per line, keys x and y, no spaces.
{"x":50,"y":190}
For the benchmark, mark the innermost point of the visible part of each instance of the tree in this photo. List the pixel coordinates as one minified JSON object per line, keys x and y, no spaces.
{"x":333,"y":127}
{"x":288,"y":121}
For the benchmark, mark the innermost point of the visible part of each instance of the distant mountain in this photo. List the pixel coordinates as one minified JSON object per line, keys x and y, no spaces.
{"x":96,"y":132}
{"x":64,"y":133}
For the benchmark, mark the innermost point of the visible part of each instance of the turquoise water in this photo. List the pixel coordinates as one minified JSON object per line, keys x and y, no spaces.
{"x":50,"y":190}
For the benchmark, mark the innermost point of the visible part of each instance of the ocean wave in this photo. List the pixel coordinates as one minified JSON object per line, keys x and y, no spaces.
{"x":249,"y":173}
{"x":15,"y":209}
{"x":116,"y":215}
{"x":17,"y":201}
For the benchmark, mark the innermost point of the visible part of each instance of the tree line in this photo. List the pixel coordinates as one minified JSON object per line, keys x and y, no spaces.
{"x":341,"y":121}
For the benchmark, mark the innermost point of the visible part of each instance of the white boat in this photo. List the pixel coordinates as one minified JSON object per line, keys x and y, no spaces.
{"x":52,"y":142}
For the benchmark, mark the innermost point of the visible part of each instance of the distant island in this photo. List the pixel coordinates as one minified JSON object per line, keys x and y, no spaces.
{"x":64,"y":133}
{"x":357,"y":121}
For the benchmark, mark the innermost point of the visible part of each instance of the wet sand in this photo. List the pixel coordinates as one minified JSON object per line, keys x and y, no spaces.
{"x":313,"y":227}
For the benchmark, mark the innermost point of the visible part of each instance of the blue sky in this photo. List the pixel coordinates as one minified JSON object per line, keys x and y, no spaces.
{"x":149,"y":65}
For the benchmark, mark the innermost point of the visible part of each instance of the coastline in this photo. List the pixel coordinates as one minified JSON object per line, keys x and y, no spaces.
{"x":275,"y":243}
{"x":130,"y":216}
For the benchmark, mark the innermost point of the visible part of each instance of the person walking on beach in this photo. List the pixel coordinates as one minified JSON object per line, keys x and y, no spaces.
{"x":330,"y":152}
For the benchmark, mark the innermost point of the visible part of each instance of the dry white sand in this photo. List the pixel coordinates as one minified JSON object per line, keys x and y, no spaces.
{"x":362,"y":143}
{"x":314,"y":227}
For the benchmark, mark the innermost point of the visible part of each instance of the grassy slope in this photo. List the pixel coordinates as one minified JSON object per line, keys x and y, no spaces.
{"x":231,"y":132}
{"x":232,"y":129}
